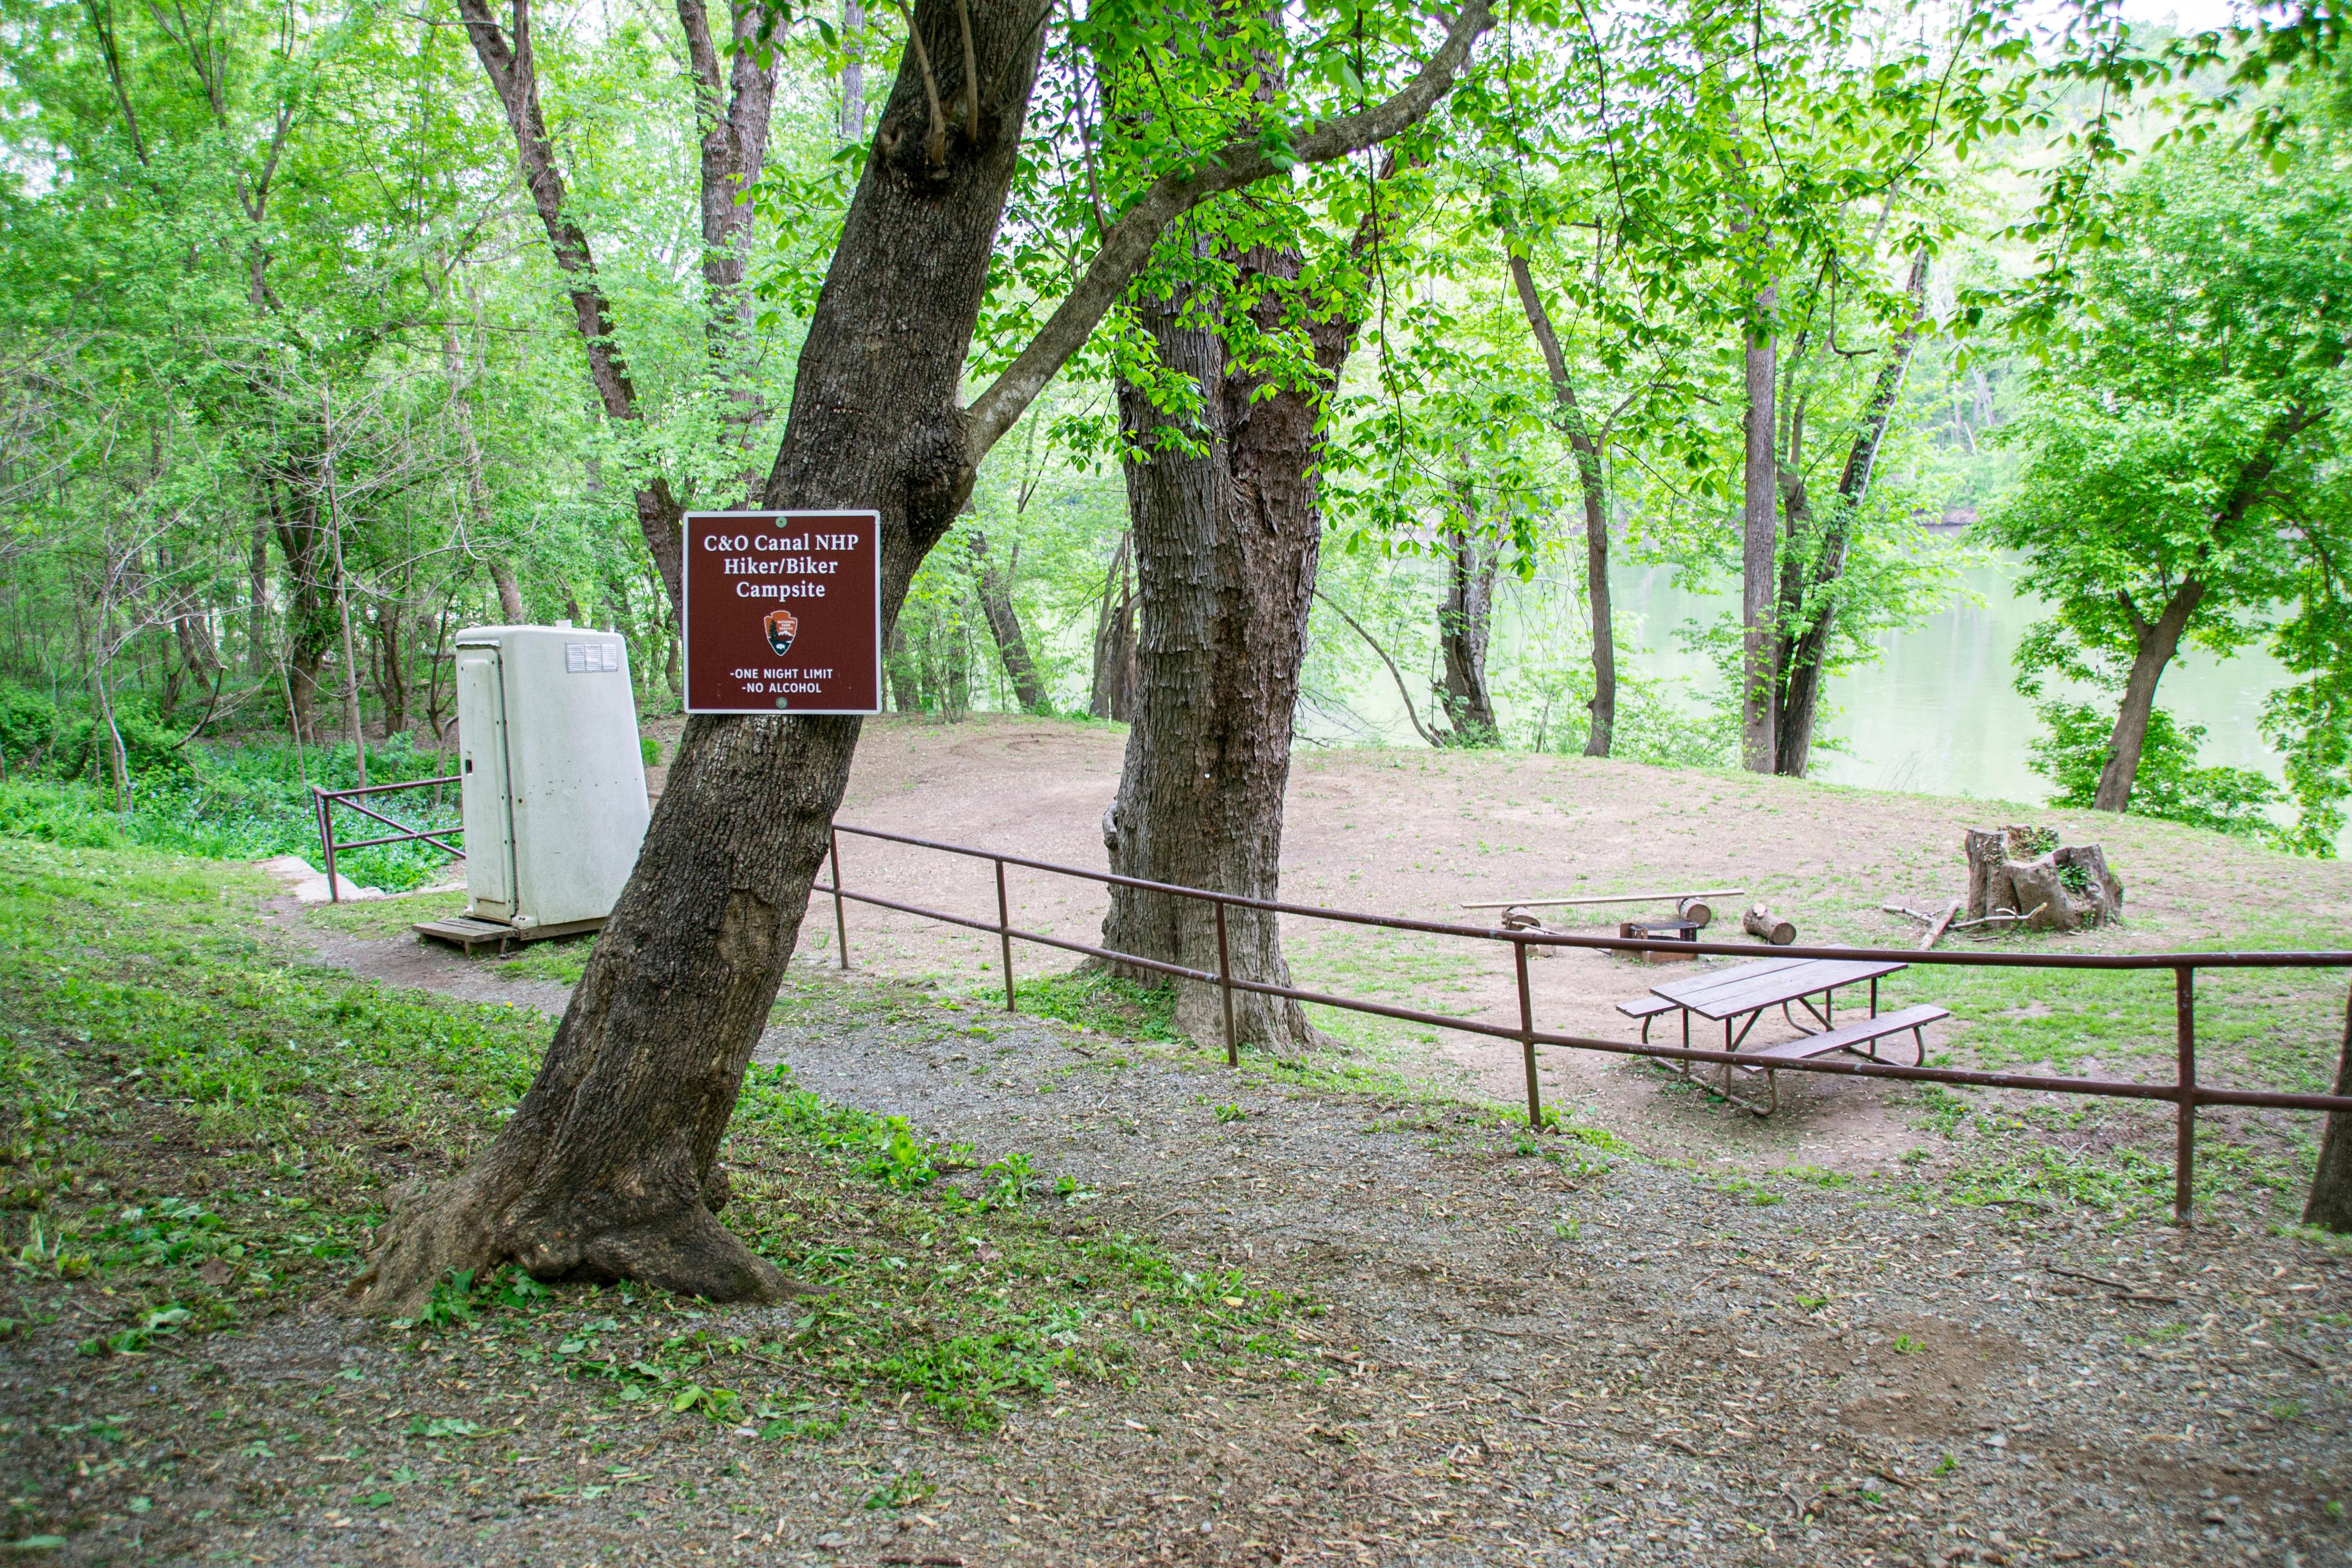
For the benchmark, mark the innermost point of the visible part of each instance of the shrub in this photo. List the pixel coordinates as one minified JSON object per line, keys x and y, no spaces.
{"x":2171,"y":783}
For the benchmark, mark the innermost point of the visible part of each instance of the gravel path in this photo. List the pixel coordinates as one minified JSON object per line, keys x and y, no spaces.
{"x":1571,"y":1355}
{"x":1591,"y":1357}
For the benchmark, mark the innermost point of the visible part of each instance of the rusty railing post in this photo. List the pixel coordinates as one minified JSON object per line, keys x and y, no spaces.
{"x":840,"y":920}
{"x":2184,"y":1155}
{"x":1225,"y":983}
{"x":1004,"y":933}
{"x":325,"y":806}
{"x":1527,"y":1033}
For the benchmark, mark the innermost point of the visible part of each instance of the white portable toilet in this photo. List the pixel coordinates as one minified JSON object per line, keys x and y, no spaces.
{"x":553,"y":778}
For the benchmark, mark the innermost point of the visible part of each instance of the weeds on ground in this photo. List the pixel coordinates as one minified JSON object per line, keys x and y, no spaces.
{"x":247,"y":801}
{"x":198,"y":1133}
{"x":1093,"y":1000}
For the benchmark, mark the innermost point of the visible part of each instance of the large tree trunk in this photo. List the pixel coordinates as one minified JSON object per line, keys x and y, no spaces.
{"x":1585,"y":443}
{"x":1225,"y":547}
{"x":1800,"y":683}
{"x":2330,"y":1205}
{"x":608,"y":1168}
{"x":1004,"y":626}
{"x":1760,"y":524}
{"x":2158,"y":641}
{"x":1465,"y":627}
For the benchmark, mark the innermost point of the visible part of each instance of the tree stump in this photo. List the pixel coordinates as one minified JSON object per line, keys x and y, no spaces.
{"x":2022,"y":870}
{"x":1762,"y":923}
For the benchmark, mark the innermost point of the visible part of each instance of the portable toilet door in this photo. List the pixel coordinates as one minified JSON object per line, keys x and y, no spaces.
{"x":555,"y":780}
{"x":482,"y":793}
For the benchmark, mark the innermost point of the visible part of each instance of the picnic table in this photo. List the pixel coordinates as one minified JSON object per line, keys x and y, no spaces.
{"x":1747,"y":990}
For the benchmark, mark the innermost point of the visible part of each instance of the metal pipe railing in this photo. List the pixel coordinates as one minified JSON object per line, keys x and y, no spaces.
{"x":324,"y":801}
{"x":2185,"y":1092}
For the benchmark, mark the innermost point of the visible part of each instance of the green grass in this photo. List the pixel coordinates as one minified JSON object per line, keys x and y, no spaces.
{"x":374,"y":919}
{"x":197,"y":1130}
{"x":1093,"y":1000}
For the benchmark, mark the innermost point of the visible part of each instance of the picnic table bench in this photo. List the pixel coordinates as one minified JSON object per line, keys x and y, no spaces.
{"x":1748,"y":990}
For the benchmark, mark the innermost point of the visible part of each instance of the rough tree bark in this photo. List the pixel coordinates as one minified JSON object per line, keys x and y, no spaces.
{"x":609,"y":1166}
{"x":1760,"y":525}
{"x":2330,"y":1205}
{"x":1004,"y":626}
{"x":1226,"y":546}
{"x":1800,"y":663}
{"x":1590,"y":480}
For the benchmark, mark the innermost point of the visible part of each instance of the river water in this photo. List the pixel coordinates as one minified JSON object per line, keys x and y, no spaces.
{"x":1936,"y":713}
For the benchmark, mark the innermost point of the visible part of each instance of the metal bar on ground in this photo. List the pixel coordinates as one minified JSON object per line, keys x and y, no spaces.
{"x":1226,"y":986}
{"x":343,"y":844}
{"x":424,"y":832}
{"x":327,"y":839}
{"x":1004,"y":935}
{"x":388,"y":788}
{"x":2184,"y":965}
{"x":2184,"y":1153}
{"x":1606,"y":899}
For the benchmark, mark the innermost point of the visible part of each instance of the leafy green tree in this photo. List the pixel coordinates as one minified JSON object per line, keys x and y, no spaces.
{"x":2183,"y":482}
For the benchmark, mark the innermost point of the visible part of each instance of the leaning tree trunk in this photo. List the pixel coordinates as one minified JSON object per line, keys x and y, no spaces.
{"x":1465,"y":627}
{"x":2330,"y":1206}
{"x":2158,"y":641}
{"x":1004,"y":626}
{"x":1807,"y":648}
{"x":609,"y":1166}
{"x":1586,"y":445}
{"x":1225,"y":547}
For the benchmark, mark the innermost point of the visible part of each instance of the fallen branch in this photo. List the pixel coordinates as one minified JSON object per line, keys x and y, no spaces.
{"x":1936,"y":932}
{"x":2129,"y":1292}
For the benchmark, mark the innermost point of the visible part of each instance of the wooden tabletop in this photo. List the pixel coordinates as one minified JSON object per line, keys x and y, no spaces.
{"x":1749,"y":988}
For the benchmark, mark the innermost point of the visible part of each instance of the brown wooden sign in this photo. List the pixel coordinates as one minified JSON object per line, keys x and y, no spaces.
{"x":784,"y":610}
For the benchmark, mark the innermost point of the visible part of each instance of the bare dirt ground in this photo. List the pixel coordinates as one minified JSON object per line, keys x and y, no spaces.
{"x":1421,"y":832}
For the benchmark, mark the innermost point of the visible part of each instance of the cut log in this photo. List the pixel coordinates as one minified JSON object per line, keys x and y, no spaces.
{"x":1695,"y":911}
{"x":1943,"y":923}
{"x":1762,"y":923}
